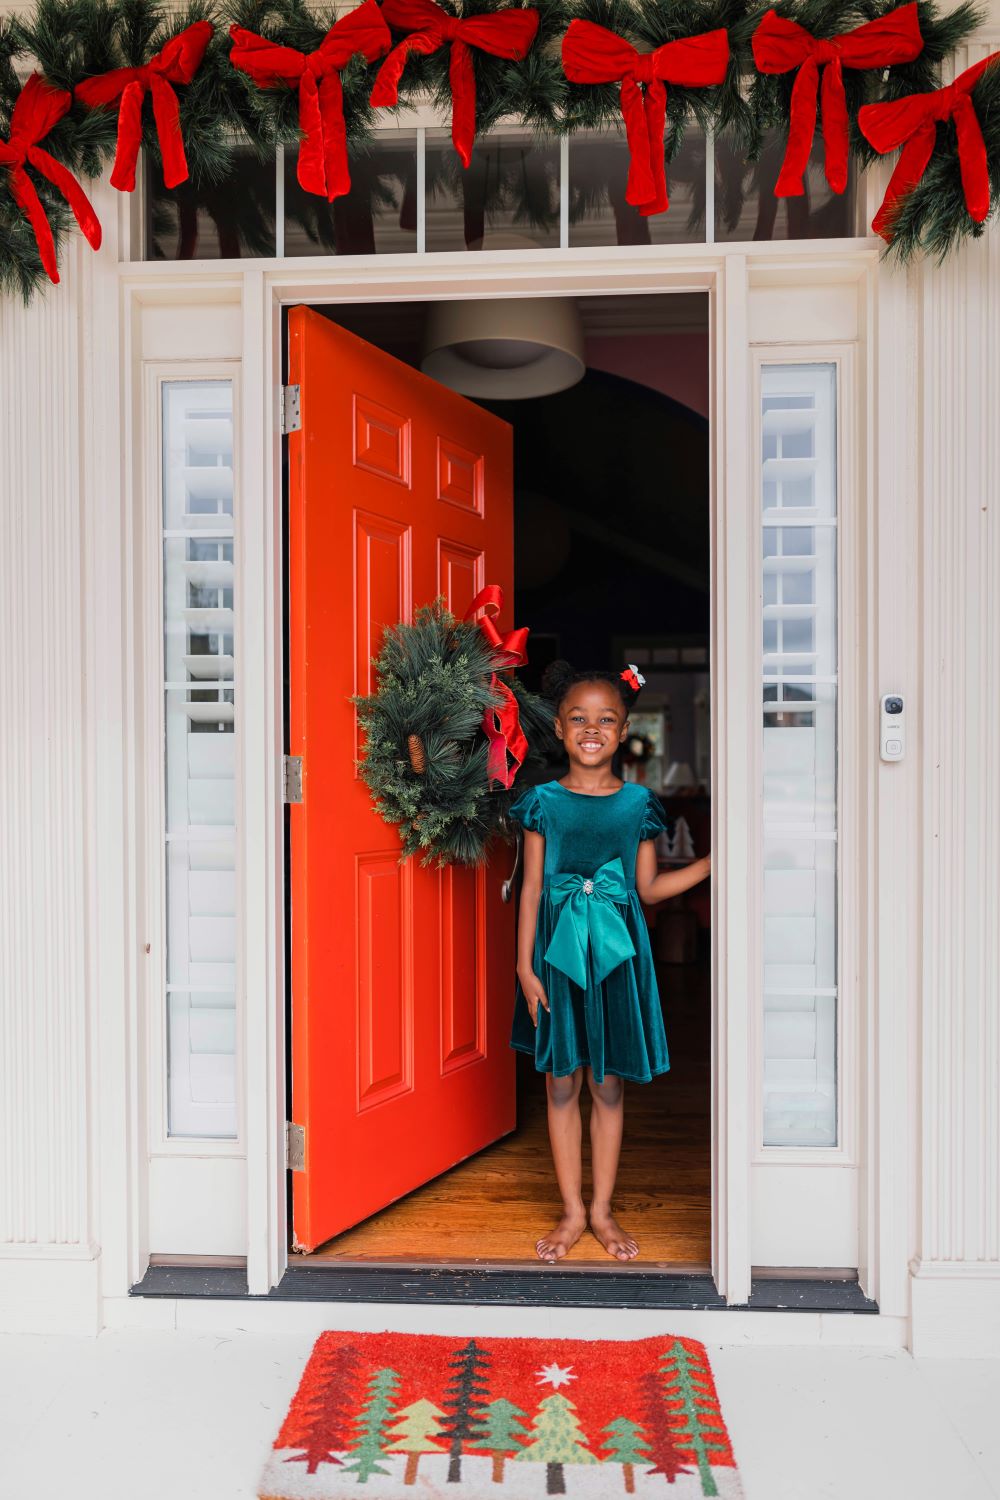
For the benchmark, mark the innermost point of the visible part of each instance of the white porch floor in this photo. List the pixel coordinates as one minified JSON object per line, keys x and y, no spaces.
{"x":184,"y":1415}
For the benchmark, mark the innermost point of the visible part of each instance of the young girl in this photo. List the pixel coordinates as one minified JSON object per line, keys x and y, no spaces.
{"x":586,"y":992}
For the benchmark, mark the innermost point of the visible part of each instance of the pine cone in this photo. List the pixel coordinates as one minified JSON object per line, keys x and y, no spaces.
{"x":418,"y":755}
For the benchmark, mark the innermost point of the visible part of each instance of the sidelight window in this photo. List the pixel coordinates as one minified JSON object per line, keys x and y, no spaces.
{"x":799,"y":682}
{"x":200,"y":768}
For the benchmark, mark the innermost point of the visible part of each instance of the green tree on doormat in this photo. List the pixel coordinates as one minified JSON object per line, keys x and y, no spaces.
{"x":559,"y":1440}
{"x":373,"y":1419}
{"x":502,"y":1434}
{"x":665,"y":1454}
{"x":413,"y":1432}
{"x":466,"y":1393}
{"x":694,"y":1411}
{"x":628,"y":1446}
{"x":330,"y":1414}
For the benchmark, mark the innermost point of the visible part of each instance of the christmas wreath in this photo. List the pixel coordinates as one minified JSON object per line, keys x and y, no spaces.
{"x":447,"y":730}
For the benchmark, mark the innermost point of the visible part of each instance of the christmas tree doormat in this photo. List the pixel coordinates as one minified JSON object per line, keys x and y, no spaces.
{"x":403,"y":1415}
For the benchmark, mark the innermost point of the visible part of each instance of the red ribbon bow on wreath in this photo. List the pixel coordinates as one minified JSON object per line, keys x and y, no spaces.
{"x":503,"y":33}
{"x":593,"y":54}
{"x":501,"y":722}
{"x":912,"y":123}
{"x":176,"y":62}
{"x":37,"y":108}
{"x":322,"y":165}
{"x":779,"y":45}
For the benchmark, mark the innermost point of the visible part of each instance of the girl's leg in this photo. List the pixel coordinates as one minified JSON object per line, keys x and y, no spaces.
{"x":607,"y":1117}
{"x":565,"y":1135}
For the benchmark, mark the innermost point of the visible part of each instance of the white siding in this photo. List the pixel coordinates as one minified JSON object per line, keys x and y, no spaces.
{"x":44,"y":1198}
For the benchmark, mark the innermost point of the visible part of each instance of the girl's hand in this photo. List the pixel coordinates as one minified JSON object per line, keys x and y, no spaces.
{"x":534,"y":993}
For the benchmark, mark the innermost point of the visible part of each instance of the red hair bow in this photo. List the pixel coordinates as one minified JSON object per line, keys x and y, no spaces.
{"x":912,"y":123}
{"x":503,"y":33}
{"x":502,"y":722}
{"x":38,"y":107}
{"x":322,"y":165}
{"x":779,"y":45}
{"x":593,"y":54}
{"x":176,"y":62}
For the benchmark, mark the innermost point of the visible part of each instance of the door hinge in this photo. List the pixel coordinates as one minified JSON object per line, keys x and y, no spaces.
{"x":295,"y":1147}
{"x":293,"y":778}
{"x":291,"y":417}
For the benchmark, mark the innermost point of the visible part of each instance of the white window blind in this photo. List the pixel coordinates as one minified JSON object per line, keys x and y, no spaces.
{"x":199,"y":719}
{"x":799,"y":681}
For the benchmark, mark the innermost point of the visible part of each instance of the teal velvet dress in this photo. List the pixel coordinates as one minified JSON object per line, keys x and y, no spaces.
{"x":592,"y":950}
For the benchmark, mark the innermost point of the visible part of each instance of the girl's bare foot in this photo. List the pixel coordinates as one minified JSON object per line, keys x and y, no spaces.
{"x":617,"y":1243}
{"x":554,"y":1245}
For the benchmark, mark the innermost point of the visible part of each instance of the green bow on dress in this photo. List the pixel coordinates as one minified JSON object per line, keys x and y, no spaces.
{"x":589,"y":919}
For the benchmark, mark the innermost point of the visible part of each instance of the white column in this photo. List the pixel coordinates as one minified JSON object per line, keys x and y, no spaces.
{"x":45,"y":1200}
{"x":956,"y":1274}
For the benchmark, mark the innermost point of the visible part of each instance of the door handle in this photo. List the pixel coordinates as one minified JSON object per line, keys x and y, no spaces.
{"x":507,"y":889}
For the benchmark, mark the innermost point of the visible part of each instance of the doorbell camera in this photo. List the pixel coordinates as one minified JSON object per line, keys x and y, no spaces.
{"x":892,"y":727}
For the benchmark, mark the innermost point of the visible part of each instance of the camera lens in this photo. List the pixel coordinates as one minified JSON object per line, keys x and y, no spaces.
{"x":894,"y":705}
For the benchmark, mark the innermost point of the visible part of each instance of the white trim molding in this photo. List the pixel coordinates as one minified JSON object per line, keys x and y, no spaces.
{"x":955,"y":1281}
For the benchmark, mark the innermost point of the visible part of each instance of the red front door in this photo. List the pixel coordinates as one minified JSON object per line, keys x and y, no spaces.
{"x":401,"y":975}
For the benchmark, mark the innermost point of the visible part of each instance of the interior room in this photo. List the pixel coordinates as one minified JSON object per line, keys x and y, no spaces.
{"x":612,"y":566}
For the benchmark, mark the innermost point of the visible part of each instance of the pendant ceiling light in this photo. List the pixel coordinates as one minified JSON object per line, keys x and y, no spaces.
{"x":505,"y":350}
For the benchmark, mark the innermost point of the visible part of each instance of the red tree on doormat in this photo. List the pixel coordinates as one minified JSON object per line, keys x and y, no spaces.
{"x":665,"y":1454}
{"x":467,"y":1391}
{"x":329,"y":1403}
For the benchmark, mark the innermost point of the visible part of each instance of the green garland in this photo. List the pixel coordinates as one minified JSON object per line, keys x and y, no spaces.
{"x":222,"y":109}
{"x":425,"y":750}
{"x":933,"y":219}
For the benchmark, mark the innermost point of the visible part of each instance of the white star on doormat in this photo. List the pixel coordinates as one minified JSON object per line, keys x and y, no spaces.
{"x":555,"y":1375}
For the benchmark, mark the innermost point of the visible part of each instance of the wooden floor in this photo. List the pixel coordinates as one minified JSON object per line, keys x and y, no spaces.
{"x":494,"y":1206}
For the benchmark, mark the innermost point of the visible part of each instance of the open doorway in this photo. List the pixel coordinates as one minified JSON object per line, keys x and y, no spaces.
{"x":611,"y":565}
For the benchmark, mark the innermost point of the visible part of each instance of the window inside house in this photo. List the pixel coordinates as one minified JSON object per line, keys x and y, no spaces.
{"x":799,"y":680}
{"x":200,"y":768}
{"x":411,"y":195}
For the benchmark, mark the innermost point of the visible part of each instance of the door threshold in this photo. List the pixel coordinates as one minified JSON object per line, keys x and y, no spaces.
{"x":528,"y":1265}
{"x":649,"y":1289}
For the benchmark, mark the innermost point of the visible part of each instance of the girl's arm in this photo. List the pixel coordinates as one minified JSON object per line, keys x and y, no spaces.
{"x":531,"y":891}
{"x":652,"y":887}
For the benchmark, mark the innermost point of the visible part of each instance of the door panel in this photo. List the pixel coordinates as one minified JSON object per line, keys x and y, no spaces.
{"x":401,"y":975}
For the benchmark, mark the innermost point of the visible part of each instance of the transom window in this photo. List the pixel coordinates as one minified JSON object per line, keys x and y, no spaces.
{"x":410,"y":195}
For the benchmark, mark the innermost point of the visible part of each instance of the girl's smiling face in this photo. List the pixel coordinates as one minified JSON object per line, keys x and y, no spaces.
{"x":592,"y":723}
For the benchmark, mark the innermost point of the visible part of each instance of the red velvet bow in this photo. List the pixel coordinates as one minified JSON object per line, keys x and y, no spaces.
{"x":322,"y":165}
{"x":501,"y":722}
{"x":514,"y":643}
{"x":593,"y":54}
{"x":503,"y":33}
{"x":37,"y":108}
{"x":780,"y":45}
{"x":912,"y":124}
{"x":177,"y":62}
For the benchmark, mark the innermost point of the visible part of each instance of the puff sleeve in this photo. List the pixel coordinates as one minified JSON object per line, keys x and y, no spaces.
{"x":527,"y":811}
{"x":653,"y":821}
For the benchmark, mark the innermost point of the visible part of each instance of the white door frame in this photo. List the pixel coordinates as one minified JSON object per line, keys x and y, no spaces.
{"x":262,"y":289}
